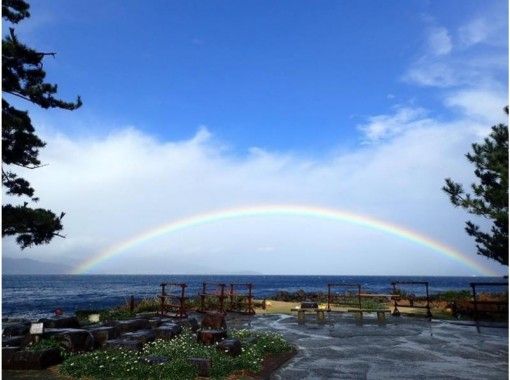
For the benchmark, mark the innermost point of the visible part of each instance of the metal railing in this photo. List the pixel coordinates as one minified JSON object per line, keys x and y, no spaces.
{"x":341,"y":301}
{"x":173,"y":300}
{"x":396,"y":292}
{"x":483,"y":303}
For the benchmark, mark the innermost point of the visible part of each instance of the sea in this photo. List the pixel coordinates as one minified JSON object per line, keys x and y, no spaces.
{"x":37,"y":296}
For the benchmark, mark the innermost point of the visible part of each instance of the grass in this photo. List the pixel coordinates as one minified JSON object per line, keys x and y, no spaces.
{"x":121,"y":363}
{"x":44,"y":344}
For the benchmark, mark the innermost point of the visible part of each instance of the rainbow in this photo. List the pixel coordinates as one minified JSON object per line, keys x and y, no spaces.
{"x":286,"y":211}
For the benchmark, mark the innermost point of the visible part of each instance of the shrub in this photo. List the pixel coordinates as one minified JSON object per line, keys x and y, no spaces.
{"x":121,"y":363}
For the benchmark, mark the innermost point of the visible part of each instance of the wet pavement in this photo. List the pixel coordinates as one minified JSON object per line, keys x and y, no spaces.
{"x":404,"y":348}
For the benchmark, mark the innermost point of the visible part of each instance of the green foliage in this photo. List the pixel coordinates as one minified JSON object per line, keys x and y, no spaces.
{"x":23,"y":77}
{"x":147,"y":305}
{"x":43,"y":344}
{"x":115,"y":315}
{"x":452,"y":295}
{"x":121,"y":363}
{"x":46,"y":343}
{"x":490,"y":194}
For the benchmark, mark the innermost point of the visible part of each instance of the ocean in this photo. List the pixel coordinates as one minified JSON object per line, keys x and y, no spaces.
{"x":36,"y":296}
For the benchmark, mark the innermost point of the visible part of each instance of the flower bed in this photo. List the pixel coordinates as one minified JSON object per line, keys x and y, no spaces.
{"x":170,"y":359}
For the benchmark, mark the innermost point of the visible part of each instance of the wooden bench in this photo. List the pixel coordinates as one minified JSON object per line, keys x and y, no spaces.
{"x":302,"y":312}
{"x":381,"y":313}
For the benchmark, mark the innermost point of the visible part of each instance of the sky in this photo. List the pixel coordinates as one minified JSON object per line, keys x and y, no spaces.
{"x":195,"y":107}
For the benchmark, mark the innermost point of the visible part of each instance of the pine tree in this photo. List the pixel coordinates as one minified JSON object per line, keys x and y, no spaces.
{"x":490,"y":194}
{"x":23,"y":77}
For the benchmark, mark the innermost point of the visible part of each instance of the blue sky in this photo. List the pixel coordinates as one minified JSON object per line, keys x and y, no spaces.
{"x":267,"y":74}
{"x":302,"y":101}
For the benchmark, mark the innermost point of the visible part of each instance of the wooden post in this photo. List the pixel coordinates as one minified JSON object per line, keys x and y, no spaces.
{"x":163,"y":299}
{"x":250,"y":306}
{"x":222,"y":296}
{"x":395,"y":312}
{"x":475,"y":306}
{"x":329,"y":297}
{"x":231,"y":296}
{"x":132,"y":304}
{"x":301,"y":316}
{"x":429,"y":314}
{"x":359,"y":296}
{"x":182,"y":309}
{"x":202,"y":297}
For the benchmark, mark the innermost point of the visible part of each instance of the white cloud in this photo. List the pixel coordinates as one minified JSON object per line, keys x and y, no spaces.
{"x":485,"y":105}
{"x":114,"y":187}
{"x":439,"y":41}
{"x":385,"y":126}
{"x":474,"y":32}
{"x":477,"y":55}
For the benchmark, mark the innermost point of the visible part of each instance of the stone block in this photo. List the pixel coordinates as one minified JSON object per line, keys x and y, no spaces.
{"x":48,"y":333}
{"x":155,"y":322}
{"x":167,"y":331}
{"x":102,"y":334}
{"x":214,"y":320}
{"x":7,"y":354}
{"x":211,"y":336}
{"x":154,"y":359}
{"x":189,"y":323}
{"x":24,"y":360}
{"x":231,"y":347}
{"x":133,"y":325}
{"x":309,"y":305}
{"x":129,"y":344}
{"x":142,"y":336}
{"x":16,"y":328}
{"x":57,"y":322}
{"x":76,"y":340}
{"x":15,"y":341}
{"x":203,"y":366}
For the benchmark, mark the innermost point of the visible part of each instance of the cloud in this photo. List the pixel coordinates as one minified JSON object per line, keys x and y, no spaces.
{"x":439,"y":41}
{"x":476,"y":55}
{"x":481,"y":104}
{"x":116,"y":186}
{"x":474,"y":32}
{"x":389,"y":125}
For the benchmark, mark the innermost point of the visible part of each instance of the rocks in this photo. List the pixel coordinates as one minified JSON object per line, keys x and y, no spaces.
{"x":214,"y":320}
{"x":23,"y":360}
{"x":211,"y":336}
{"x":203,"y":365}
{"x":60,"y":322}
{"x":309,"y":305}
{"x":76,"y":340}
{"x":7,"y":354}
{"x":154,"y":359}
{"x":133,"y":325}
{"x":176,"y":327}
{"x":15,"y":341}
{"x":129,"y":344}
{"x":230,"y":346}
{"x":16,"y":328}
{"x":142,"y":336}
{"x":155,"y":322}
{"x":48,"y":333}
{"x":214,"y":328}
{"x":299,"y":296}
{"x":190,"y":323}
{"x":102,"y":334}
{"x":167,"y":331}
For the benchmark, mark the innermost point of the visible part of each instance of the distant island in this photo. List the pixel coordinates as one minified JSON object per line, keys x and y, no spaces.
{"x":12,"y":265}
{"x":30,"y":266}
